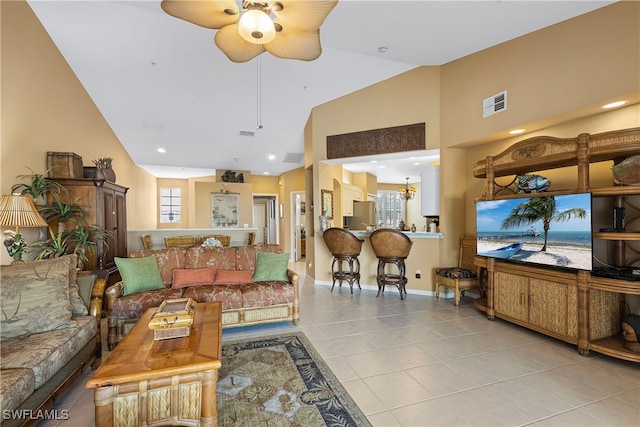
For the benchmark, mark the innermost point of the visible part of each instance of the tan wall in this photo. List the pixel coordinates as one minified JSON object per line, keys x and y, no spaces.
{"x":45,"y":108}
{"x":551,"y":75}
{"x":563,"y":178}
{"x":411,"y":97}
{"x":202,"y":195}
{"x":288,"y":182}
{"x":183,"y":185}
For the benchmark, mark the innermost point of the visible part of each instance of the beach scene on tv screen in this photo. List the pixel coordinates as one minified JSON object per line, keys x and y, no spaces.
{"x":549,"y":230}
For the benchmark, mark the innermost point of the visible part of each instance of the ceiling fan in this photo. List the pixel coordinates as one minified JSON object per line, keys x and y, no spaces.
{"x":246,"y":32}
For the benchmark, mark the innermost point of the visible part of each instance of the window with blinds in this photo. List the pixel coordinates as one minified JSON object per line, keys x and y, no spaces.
{"x":390,"y":206}
{"x":169,"y":205}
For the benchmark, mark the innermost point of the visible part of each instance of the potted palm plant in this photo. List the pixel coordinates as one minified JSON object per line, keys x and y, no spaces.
{"x":84,"y":239}
{"x":54,"y":247}
{"x":62,"y":212}
{"x":38,"y":187}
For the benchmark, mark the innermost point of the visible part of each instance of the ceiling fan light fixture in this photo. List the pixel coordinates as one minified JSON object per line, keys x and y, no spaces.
{"x":255,"y":26}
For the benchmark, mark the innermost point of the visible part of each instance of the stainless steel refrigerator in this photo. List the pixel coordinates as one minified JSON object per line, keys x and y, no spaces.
{"x":364,"y":213}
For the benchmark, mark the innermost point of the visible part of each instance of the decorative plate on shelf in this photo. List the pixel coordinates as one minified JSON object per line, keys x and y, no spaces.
{"x":627,"y":172}
{"x":532,"y":184}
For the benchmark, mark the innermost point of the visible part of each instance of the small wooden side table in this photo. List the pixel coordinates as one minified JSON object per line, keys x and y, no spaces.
{"x":166,"y":382}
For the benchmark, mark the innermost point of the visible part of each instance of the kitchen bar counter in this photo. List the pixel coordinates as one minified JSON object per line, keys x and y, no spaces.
{"x":423,"y":258}
{"x":417,"y":235}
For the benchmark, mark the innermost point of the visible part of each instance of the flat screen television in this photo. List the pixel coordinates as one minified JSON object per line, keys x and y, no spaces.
{"x":547,"y":230}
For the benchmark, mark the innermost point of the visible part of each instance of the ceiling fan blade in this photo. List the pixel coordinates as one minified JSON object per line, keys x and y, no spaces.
{"x":292,"y":43}
{"x":205,"y":13}
{"x":304,"y":15}
{"x":234,"y":46}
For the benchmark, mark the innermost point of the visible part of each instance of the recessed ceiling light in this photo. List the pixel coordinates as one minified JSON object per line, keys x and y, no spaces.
{"x":265,"y":173}
{"x":272,"y":156}
{"x":383,"y":49}
{"x":517,"y":131}
{"x":416,"y":164}
{"x":161,"y":150}
{"x":382,"y":166}
{"x":614,"y":104}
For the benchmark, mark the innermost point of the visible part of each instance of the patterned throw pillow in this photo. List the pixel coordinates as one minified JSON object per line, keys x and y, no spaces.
{"x":230,"y":277}
{"x":35,"y":297}
{"x":192,"y":276}
{"x":271,"y":267}
{"x":139,"y":274}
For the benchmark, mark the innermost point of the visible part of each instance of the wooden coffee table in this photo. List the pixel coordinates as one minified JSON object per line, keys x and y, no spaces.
{"x":167,"y":382}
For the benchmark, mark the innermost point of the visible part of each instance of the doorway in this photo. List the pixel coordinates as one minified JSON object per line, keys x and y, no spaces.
{"x":298,"y":233}
{"x":264,"y":218}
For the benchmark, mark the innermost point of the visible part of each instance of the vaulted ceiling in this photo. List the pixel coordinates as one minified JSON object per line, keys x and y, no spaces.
{"x":160,"y":82}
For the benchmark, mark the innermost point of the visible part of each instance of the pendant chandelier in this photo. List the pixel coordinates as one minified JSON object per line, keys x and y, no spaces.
{"x":288,"y":29}
{"x":407,"y":192}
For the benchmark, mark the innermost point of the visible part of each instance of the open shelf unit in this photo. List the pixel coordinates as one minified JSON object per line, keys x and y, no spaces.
{"x":573,"y":306}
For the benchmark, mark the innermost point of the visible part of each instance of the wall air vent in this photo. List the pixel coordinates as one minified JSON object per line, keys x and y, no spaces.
{"x":293,"y":158}
{"x":494,"y":104}
{"x":247,"y":133}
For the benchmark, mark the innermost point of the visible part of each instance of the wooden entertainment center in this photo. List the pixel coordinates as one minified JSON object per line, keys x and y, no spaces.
{"x":571,"y":305}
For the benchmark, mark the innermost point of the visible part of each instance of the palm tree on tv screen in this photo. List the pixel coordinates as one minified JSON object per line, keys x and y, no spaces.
{"x":540,"y":209}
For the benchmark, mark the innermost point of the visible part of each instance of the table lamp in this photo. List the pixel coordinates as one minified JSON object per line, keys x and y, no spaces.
{"x":18,"y":211}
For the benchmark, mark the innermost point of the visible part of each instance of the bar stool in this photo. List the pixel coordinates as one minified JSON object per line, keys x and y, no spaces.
{"x":345,"y":247}
{"x":391,"y":247}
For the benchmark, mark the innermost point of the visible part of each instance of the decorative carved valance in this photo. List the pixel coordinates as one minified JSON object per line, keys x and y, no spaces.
{"x":377,"y":141}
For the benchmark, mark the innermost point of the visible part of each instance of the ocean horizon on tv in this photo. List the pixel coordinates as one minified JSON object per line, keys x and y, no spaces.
{"x":508,"y":229}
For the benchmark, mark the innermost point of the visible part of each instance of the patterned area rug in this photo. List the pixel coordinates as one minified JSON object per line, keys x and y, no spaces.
{"x":281,"y":381}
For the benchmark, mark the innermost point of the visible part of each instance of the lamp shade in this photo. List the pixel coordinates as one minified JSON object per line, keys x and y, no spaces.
{"x":256,"y":27}
{"x":19,"y":211}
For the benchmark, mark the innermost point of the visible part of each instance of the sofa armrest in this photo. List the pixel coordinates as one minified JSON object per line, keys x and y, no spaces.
{"x":294,"y":277}
{"x":97,"y":291}
{"x":112,"y":294}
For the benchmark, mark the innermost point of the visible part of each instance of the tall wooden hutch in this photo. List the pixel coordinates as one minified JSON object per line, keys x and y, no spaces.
{"x":574,"y":306}
{"x":106,"y":205}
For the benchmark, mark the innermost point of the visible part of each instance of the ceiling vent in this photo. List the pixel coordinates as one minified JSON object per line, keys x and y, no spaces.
{"x":247,"y":133}
{"x":494,"y":104}
{"x":293,"y":158}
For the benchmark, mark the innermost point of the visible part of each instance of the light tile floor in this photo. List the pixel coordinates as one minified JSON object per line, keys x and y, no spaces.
{"x":422,"y":362}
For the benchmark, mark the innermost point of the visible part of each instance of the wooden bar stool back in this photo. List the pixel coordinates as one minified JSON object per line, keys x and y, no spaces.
{"x":391,"y":247}
{"x":345,"y":248}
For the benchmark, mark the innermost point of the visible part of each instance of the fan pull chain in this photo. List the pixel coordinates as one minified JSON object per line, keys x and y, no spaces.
{"x":259,"y":94}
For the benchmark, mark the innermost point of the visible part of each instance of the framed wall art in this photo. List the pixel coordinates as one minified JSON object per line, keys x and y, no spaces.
{"x":327,"y":203}
{"x":224,"y":210}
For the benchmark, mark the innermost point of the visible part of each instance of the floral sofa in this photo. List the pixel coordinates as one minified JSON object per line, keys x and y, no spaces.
{"x":49,"y":332}
{"x":253,"y":284}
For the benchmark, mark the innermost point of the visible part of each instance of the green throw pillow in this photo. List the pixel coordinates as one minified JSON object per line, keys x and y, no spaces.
{"x":271,"y":267}
{"x":139,"y":274}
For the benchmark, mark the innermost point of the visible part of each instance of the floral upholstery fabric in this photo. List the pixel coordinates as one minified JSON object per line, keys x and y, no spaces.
{"x":267,"y":293}
{"x":168,"y":259}
{"x":233,"y":296}
{"x":34,"y":297}
{"x":47,"y":352}
{"x":133,"y":306}
{"x":15,"y":386}
{"x":456,"y":273}
{"x":220,"y":258}
{"x":230,"y":296}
